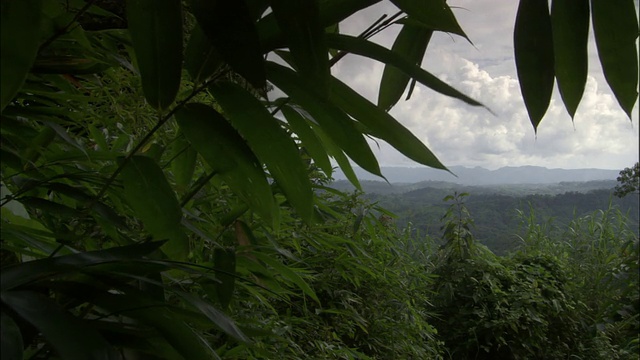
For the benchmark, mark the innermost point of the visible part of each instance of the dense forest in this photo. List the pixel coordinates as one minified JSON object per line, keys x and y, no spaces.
{"x":500,"y":212}
{"x":159,"y":201}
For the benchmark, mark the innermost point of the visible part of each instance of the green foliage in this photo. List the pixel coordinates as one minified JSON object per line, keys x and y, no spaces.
{"x":628,"y":181}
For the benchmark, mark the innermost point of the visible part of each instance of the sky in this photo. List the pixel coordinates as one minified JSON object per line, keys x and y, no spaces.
{"x":601,"y":135}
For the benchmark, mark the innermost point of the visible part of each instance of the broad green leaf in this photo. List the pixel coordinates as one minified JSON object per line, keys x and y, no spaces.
{"x":19,"y":41}
{"x":300,"y":23}
{"x":201,"y":59}
{"x":288,"y":273}
{"x":308,"y":138}
{"x":51,"y":207}
{"x":434,"y":14}
{"x":411,"y":43}
{"x":270,"y":143}
{"x":533,"y":43}
{"x":71,"y":337}
{"x":615,"y":27}
{"x":10,"y":338}
{"x":154,"y":202}
{"x":335,"y":152}
{"x":225,"y":261}
{"x":183,"y":162}
{"x":374,"y":51}
{"x":156,"y":31}
{"x":228,"y":154}
{"x":336,"y":124}
{"x":230,"y":28}
{"x":382,"y":125}
{"x":570,"y":24}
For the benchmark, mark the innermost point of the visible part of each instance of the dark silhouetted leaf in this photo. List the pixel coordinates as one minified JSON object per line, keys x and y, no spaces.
{"x":336,"y":124}
{"x":154,"y":202}
{"x":225,"y":261}
{"x":184,"y":161}
{"x":533,"y":43}
{"x":374,"y":51}
{"x":71,"y":337}
{"x":615,"y":27}
{"x":10,"y":338}
{"x":570,"y":24}
{"x":230,"y":28}
{"x":156,"y":31}
{"x":309,"y":139}
{"x":201,"y":57}
{"x":300,"y":23}
{"x":228,"y":154}
{"x":19,"y":41}
{"x":411,"y":43}
{"x":269,"y":142}
{"x":434,"y":14}
{"x":382,"y":125}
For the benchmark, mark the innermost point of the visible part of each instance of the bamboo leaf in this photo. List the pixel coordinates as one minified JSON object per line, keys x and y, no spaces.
{"x":308,"y":138}
{"x":154,"y":202}
{"x":335,"y":152}
{"x":269,"y":142}
{"x":184,"y":161}
{"x":225,"y":260}
{"x":228,"y":154}
{"x":411,"y":43}
{"x":570,"y":24}
{"x":156,"y":32}
{"x":288,"y":273}
{"x":201,"y":57}
{"x":374,"y":51}
{"x":10,"y":338}
{"x":71,"y":337}
{"x":19,"y":41}
{"x":300,"y":23}
{"x":382,"y":125}
{"x":533,"y":43}
{"x":336,"y":124}
{"x":615,"y":27}
{"x":434,"y":14}
{"x":230,"y":27}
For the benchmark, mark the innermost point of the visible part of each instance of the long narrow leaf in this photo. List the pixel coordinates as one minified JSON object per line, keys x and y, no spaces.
{"x":615,"y":27}
{"x":434,"y":14}
{"x":533,"y":43}
{"x":156,"y":31}
{"x":10,"y":338}
{"x":269,"y":142}
{"x":308,"y":138}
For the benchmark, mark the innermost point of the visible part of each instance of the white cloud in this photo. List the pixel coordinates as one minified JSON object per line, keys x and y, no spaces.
{"x":600,"y":137}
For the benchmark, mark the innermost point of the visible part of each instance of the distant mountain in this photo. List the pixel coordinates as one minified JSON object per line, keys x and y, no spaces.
{"x":479,"y":176}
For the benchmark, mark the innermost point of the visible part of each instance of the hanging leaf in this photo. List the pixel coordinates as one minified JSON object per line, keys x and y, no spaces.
{"x":533,"y":43}
{"x":615,"y":27}
{"x":228,"y":154}
{"x":308,"y":138}
{"x":154,"y":202}
{"x":184,"y":161}
{"x":374,"y":51}
{"x":434,"y":14}
{"x":230,"y":27}
{"x":335,"y":152}
{"x":288,"y":273}
{"x":201,"y":58}
{"x":336,"y":124}
{"x":382,"y":125}
{"x":156,"y":31}
{"x":20,"y":34}
{"x":411,"y":43}
{"x":570,"y":24}
{"x":70,"y":337}
{"x":300,"y":23}
{"x":10,"y":338}
{"x":269,"y":142}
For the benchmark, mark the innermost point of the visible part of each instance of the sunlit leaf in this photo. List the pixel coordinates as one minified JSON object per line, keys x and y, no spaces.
{"x":570,"y":24}
{"x":156,"y":31}
{"x":308,"y":138}
{"x":374,"y":51}
{"x":19,"y":41}
{"x":154,"y":202}
{"x":228,"y":154}
{"x":269,"y":142}
{"x":71,"y":337}
{"x":300,"y":23}
{"x":615,"y":27}
{"x":230,"y":28}
{"x":533,"y":43}
{"x":336,"y":124}
{"x":411,"y":43}
{"x":382,"y":125}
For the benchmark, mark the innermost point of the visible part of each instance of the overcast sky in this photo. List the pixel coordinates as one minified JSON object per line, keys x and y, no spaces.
{"x":601,"y":135}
